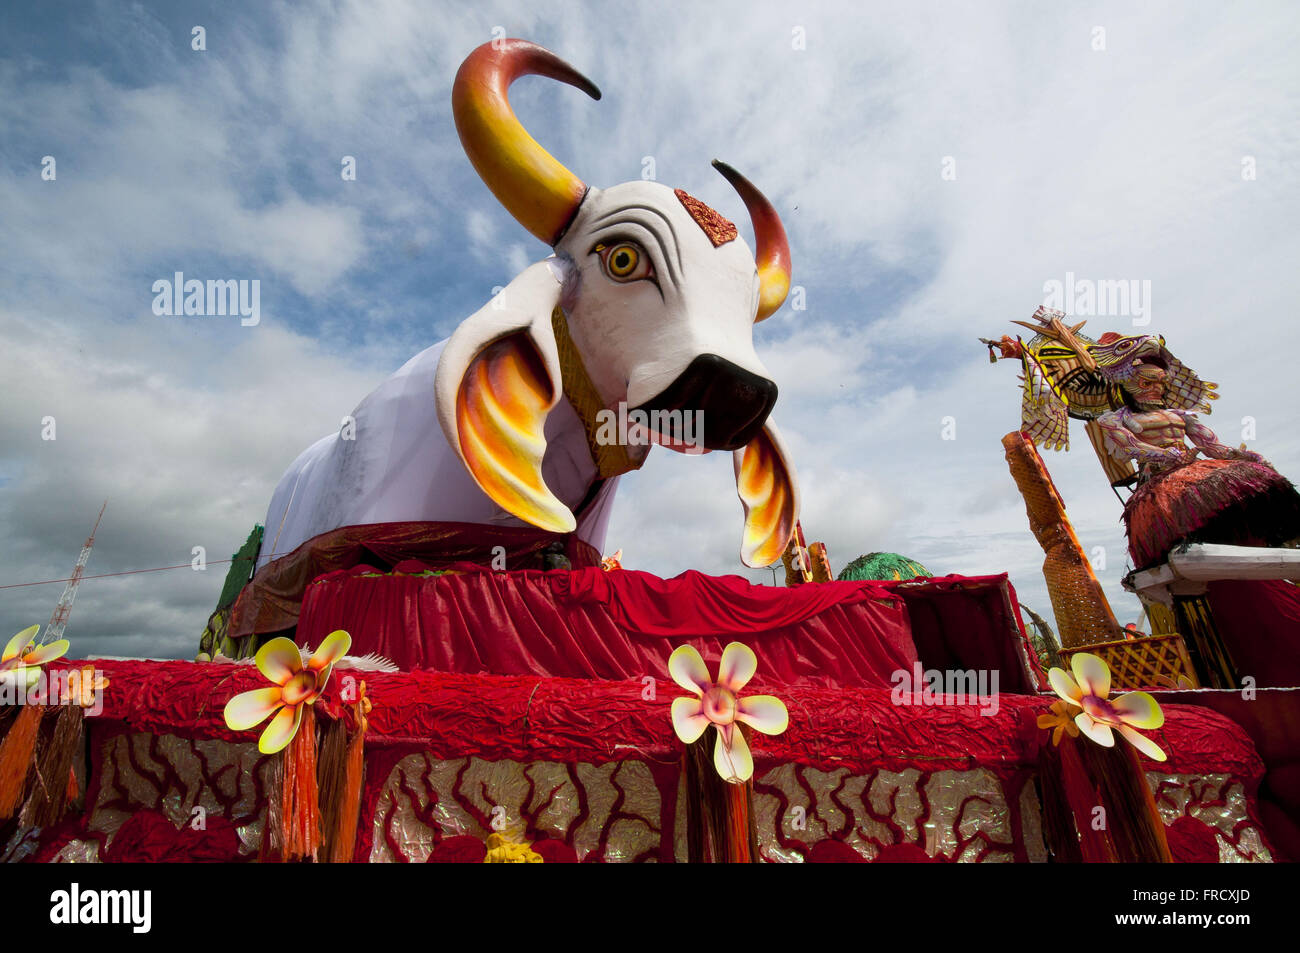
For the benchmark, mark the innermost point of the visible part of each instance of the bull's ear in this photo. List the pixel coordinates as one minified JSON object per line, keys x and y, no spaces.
{"x":498,"y":378}
{"x":767,"y":487}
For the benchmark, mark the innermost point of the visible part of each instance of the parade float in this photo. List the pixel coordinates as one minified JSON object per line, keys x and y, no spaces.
{"x":421,"y":654}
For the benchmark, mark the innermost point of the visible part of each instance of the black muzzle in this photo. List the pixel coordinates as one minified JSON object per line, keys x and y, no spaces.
{"x":735,"y":402}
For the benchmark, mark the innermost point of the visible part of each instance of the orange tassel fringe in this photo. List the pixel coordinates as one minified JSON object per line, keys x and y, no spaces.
{"x":16,"y":758}
{"x":339,"y":775}
{"x":1136,"y":828}
{"x":738,"y":822}
{"x":1096,"y":846}
{"x":344,"y":840}
{"x":720,"y":825}
{"x":300,"y":809}
{"x":1078,"y":777}
{"x":48,"y":801}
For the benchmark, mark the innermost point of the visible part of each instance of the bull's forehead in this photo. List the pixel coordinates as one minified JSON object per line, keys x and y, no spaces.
{"x":690,"y":231}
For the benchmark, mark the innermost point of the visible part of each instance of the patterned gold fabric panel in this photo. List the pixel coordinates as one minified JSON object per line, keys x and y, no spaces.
{"x":1215,"y":800}
{"x":954,"y":815}
{"x":185,"y":780}
{"x":611,"y":810}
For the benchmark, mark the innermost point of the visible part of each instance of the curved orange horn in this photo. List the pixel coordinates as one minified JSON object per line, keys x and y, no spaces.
{"x":772,"y":254}
{"x":536,"y":189}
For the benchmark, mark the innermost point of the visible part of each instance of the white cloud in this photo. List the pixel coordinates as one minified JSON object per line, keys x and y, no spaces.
{"x":181,"y":463}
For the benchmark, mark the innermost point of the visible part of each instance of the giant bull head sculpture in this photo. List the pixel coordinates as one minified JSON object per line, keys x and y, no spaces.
{"x":646,"y":307}
{"x":655,"y":291}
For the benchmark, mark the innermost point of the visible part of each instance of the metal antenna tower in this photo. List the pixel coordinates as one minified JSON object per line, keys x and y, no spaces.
{"x":59,"y":621}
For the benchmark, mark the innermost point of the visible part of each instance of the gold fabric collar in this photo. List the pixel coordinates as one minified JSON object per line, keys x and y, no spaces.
{"x":611,"y":458}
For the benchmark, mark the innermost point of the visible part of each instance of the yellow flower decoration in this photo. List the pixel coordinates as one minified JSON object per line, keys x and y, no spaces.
{"x":84,"y":685}
{"x":1089,"y":690}
{"x":1060,"y":718}
{"x":22,"y":657}
{"x":295,"y":685}
{"x":501,"y":849}
{"x":718,"y":704}
{"x":362,"y":707}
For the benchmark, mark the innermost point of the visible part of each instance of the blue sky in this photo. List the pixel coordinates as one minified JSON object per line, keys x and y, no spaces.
{"x":1118,"y":159}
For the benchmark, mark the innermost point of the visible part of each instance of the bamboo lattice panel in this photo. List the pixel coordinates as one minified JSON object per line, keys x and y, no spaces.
{"x":1153,"y":661}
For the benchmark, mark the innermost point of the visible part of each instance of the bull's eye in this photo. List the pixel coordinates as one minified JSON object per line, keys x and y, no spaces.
{"x":624,"y":261}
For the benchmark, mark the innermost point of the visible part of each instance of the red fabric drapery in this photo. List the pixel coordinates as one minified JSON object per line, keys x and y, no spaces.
{"x":616,"y":625}
{"x":1192,"y":842}
{"x":564,"y":719}
{"x":272,"y":600}
{"x":150,"y":838}
{"x":1259,"y":621}
{"x":696,"y":604}
{"x":971,"y":622}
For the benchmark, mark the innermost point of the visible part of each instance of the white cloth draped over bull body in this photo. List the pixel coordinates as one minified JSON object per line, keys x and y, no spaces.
{"x":398,"y":467}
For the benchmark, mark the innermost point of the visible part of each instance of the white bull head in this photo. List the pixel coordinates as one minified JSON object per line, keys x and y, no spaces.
{"x":648,"y":303}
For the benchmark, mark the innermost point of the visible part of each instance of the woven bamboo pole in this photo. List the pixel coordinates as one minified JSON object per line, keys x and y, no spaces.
{"x":1083,"y":614}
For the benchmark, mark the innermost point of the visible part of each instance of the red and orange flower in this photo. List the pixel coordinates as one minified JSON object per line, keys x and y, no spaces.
{"x":295,"y":684}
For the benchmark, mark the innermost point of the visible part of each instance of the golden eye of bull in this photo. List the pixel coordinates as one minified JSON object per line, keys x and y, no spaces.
{"x":624,"y":261}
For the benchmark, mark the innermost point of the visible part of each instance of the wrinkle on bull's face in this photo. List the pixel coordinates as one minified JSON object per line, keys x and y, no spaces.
{"x":639,"y":336}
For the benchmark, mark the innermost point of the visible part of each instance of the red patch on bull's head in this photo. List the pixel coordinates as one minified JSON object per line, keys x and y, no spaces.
{"x":719,"y":230}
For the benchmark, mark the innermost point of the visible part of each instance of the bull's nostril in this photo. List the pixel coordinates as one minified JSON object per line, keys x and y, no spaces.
{"x":734,"y":402}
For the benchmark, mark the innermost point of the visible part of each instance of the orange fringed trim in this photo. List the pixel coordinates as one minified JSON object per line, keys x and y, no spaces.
{"x":48,"y":800}
{"x":344,"y":840}
{"x":738,"y":823}
{"x":16,"y":756}
{"x":339,"y":774}
{"x":1136,"y":827}
{"x":300,"y":807}
{"x":1096,"y":845}
{"x":720,"y":825}
{"x":1082,"y":776}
